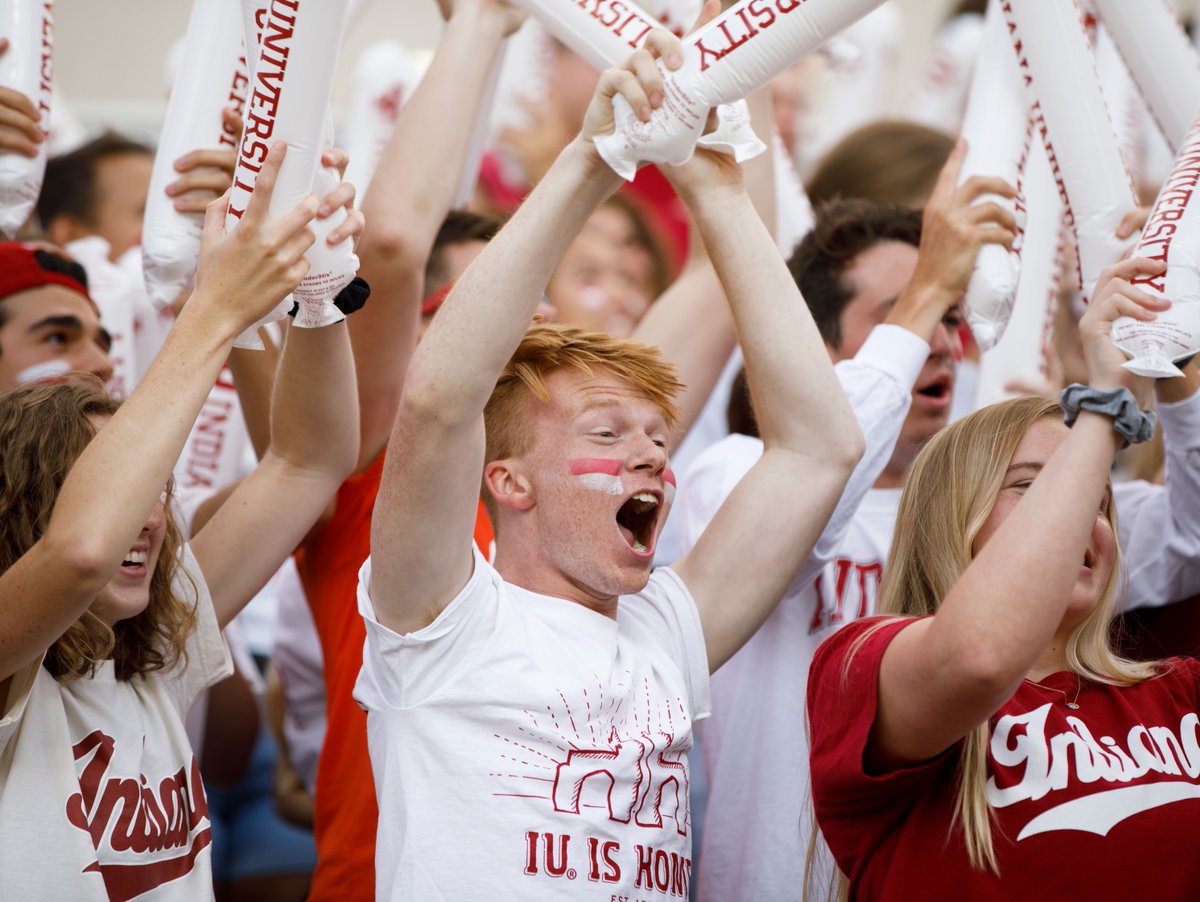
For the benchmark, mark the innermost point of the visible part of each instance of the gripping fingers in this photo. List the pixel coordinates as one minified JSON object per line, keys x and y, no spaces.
{"x":646,"y":70}
{"x":625,"y":83}
{"x":993,"y":234}
{"x":257,"y":210}
{"x":978,"y":185}
{"x":351,"y":228}
{"x":663,"y":45}
{"x":341,"y":196}
{"x":992,"y":212}
{"x":337,"y":158}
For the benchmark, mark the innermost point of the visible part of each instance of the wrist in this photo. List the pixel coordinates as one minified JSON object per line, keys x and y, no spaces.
{"x":1128,"y":420}
{"x":712,"y":205}
{"x":583,"y":162}
{"x":920,"y":307}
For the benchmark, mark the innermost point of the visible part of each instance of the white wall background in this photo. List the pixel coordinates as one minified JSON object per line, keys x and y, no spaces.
{"x":109,"y":54}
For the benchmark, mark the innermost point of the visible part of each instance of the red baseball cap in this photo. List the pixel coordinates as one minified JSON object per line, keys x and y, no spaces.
{"x":20,"y":270}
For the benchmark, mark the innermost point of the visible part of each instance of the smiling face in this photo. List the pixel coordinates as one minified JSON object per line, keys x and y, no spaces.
{"x":581,"y":509}
{"x":128,"y":592}
{"x":1096,"y":568}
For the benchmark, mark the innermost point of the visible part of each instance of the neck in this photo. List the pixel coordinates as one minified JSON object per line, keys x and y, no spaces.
{"x":538,"y":576}
{"x":1052,"y":660}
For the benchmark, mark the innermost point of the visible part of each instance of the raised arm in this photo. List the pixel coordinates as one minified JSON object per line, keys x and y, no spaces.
{"x":409,"y":196}
{"x":739,"y":569}
{"x":944,"y":675}
{"x":116,"y":482}
{"x":425,"y":511}
{"x":313,"y":448}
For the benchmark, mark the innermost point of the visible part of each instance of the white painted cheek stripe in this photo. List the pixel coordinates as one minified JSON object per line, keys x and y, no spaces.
{"x":668,"y":492}
{"x":50,"y":371}
{"x":601,"y":482}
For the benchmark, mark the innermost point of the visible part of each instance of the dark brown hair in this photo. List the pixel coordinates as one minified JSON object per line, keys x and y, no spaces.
{"x":43,"y":430}
{"x":69,"y":187}
{"x":842,"y":231}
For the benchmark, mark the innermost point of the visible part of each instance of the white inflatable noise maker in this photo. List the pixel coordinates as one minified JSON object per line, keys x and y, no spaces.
{"x":27,"y":66}
{"x":1171,"y":235}
{"x":606,"y":32}
{"x":996,"y":128}
{"x":734,"y":54}
{"x":290,"y":79}
{"x":212,"y":75}
{"x":1069,"y":114}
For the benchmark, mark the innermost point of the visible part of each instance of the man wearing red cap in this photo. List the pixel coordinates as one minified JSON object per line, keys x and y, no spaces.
{"x":49,"y":325}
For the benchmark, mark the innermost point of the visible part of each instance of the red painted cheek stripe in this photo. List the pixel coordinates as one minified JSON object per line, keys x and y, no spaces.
{"x":607,"y":465}
{"x":669,"y":476}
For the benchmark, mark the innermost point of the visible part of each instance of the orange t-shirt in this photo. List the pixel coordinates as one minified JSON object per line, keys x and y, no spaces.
{"x":345,"y":812}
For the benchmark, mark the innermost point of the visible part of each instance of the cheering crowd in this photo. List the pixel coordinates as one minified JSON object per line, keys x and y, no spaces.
{"x":390,"y":607}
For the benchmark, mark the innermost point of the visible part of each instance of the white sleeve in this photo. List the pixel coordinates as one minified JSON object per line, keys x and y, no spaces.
{"x":208,"y":659}
{"x":399,"y":671}
{"x":878,"y":383}
{"x":1159,"y":526}
{"x":13,"y":708}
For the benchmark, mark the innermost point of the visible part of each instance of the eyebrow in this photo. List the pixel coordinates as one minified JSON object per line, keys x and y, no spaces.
{"x":64,"y":321}
{"x":1036,"y":466}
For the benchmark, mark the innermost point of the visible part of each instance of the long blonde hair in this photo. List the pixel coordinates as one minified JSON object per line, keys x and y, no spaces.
{"x":948,"y":494}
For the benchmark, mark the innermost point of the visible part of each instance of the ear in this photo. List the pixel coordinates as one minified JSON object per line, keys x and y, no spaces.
{"x":508,"y":484}
{"x":65,"y":228}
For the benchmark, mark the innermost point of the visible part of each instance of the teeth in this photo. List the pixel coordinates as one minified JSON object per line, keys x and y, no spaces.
{"x":136,"y":557}
{"x":638,"y":546}
{"x":646,"y":498}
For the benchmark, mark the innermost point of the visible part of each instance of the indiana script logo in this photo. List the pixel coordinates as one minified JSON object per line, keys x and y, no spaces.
{"x":145,"y":834}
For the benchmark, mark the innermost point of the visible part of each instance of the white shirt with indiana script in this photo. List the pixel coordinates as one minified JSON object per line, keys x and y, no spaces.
{"x":100,"y":794}
{"x":526,"y":747}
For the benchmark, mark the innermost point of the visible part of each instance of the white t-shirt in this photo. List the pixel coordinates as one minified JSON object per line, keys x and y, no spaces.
{"x":526,"y":747}
{"x":756,"y":743}
{"x":100,"y":794}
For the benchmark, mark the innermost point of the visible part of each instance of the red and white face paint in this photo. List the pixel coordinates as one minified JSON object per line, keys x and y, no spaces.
{"x":212,"y":75}
{"x":27,"y":66}
{"x":736,"y":53}
{"x":1172,"y":235}
{"x":1069,"y":114}
{"x":600,"y":474}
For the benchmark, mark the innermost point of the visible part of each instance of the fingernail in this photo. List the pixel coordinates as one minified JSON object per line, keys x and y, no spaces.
{"x":656,"y":99}
{"x":674,"y":60}
{"x":645,"y":112}
{"x":171,"y":189}
{"x":324,"y":210}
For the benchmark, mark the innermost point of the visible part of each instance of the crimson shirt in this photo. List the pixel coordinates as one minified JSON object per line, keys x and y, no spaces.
{"x":1102,"y":802}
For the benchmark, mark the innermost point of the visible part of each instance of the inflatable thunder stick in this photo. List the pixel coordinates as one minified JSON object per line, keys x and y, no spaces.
{"x":610,"y":32}
{"x":27,"y":66}
{"x":740,"y":50}
{"x":212,"y":75}
{"x":1172,"y":235}
{"x":1069,"y":113}
{"x":996,"y":128}
{"x":1165,"y":65}
{"x":290,"y":81}
{"x":1019,"y":359}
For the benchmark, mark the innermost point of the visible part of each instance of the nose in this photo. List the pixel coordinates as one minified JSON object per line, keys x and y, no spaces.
{"x":649,"y":455}
{"x":92,"y":359}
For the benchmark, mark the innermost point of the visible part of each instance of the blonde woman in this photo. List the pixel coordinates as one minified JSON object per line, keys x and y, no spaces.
{"x":984,"y":741}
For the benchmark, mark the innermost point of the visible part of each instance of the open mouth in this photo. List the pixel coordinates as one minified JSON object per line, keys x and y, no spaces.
{"x":637,"y":519}
{"x":938,"y":390}
{"x":135,"y":559}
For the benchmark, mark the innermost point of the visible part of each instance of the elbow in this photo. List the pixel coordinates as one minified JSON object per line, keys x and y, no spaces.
{"x":389,"y":244}
{"x":84,"y":557}
{"x":984,"y":672}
